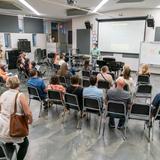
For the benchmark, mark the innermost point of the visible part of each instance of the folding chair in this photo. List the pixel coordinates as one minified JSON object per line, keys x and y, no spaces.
{"x":93,"y":105}
{"x":103,"y":84}
{"x":86,"y":74}
{"x":55,"y":97}
{"x":95,"y":73}
{"x":144,"y":91}
{"x":86,"y":83}
{"x":7,"y":154}
{"x":62,"y":81}
{"x":155,"y":118}
{"x":34,"y":95}
{"x":141,"y":112}
{"x":71,"y":102}
{"x":143,"y":79}
{"x":118,"y":110}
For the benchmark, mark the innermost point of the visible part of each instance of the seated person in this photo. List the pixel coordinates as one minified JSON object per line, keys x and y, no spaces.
{"x":62,"y":59}
{"x":3,"y":74}
{"x":86,"y":66}
{"x":92,"y":90}
{"x":128,"y":79}
{"x":76,"y":89}
{"x":64,"y":72}
{"x":119,"y":95}
{"x":103,"y":75}
{"x":144,"y":70}
{"x":54,"y":84}
{"x":38,"y":83}
{"x":156,"y":103}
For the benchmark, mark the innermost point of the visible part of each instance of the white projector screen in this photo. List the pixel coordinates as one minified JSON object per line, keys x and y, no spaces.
{"x":121,"y":36}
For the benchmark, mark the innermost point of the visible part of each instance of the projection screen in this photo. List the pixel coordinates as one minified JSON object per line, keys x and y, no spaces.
{"x":121,"y":36}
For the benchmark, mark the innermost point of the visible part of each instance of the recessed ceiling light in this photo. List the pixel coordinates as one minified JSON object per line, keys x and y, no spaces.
{"x":100,"y":5}
{"x":29,"y":7}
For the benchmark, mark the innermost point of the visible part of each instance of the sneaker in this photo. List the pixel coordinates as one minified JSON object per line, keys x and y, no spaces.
{"x":120,"y":127}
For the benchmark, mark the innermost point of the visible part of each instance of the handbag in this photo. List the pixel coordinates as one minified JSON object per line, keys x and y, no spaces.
{"x":18,"y":123}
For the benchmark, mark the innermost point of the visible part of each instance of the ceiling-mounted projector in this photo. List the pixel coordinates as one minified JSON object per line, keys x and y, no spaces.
{"x":71,"y":2}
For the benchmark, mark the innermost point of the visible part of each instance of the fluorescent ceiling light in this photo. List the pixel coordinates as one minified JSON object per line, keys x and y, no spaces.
{"x":158,"y":6}
{"x":29,"y":7}
{"x":102,"y":3}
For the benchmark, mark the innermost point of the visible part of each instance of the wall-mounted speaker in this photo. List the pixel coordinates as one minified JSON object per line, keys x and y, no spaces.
{"x":88,"y":25}
{"x":150,"y":22}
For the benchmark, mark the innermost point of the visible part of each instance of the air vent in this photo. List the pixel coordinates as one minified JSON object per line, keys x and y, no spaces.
{"x":75,"y":12}
{"x":129,"y":1}
{"x":8,"y":5}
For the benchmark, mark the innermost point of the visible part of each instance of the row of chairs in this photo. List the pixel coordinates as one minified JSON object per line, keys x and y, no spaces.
{"x":93,"y":105}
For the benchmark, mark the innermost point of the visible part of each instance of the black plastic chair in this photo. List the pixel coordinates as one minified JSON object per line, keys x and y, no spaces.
{"x":86,"y":74}
{"x":93,"y":105}
{"x":103,"y":84}
{"x":144,"y":91}
{"x":95,"y":73}
{"x":62,"y":81}
{"x":34,"y":95}
{"x":101,"y":63}
{"x":143,"y":79}
{"x":86,"y":83}
{"x":7,"y":154}
{"x":118,"y":110}
{"x":71,"y":102}
{"x":141,"y":112}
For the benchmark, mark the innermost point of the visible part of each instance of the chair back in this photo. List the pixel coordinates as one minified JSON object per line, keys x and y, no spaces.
{"x":103,"y":84}
{"x":144,"y":88}
{"x":143,"y":79}
{"x":86,"y":74}
{"x":140,"y":112}
{"x":33,"y":93}
{"x":86,"y":83}
{"x":62,"y":80}
{"x":92,"y":104}
{"x":71,"y":101}
{"x":6,"y":154}
{"x":95,"y":73}
{"x":55,"y":96}
{"x":101,"y":63}
{"x":116,"y":108}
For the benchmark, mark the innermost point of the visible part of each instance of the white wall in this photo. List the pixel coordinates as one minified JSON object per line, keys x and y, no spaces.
{"x":78,"y":23}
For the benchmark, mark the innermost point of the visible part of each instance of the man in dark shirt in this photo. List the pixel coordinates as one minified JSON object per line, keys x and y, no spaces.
{"x":76,"y":89}
{"x":119,"y":95}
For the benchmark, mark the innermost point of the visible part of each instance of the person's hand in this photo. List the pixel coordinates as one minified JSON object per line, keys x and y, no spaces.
{"x":30,"y":119}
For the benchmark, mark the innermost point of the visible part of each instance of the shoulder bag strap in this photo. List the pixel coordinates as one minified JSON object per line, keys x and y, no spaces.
{"x":103,"y":77}
{"x":15,"y":104}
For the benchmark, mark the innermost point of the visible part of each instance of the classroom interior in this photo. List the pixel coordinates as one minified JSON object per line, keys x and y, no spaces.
{"x":126,"y":32}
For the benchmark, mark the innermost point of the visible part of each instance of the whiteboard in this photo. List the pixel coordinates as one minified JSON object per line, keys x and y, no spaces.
{"x":121,"y":36}
{"x":150,"y":53}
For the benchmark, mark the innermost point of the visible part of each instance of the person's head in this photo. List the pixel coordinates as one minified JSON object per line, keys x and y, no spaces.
{"x":94,"y":45}
{"x":93,"y":80}
{"x":126,"y":72}
{"x":63,"y":69}
{"x":120,"y":83}
{"x":54,"y":80}
{"x":145,"y":69}
{"x":75,"y":80}
{"x":62,"y":56}
{"x":13,"y":82}
{"x":22,"y":54}
{"x":86,"y":64}
{"x":33,"y":63}
{"x":33,"y":73}
{"x":105,"y":69}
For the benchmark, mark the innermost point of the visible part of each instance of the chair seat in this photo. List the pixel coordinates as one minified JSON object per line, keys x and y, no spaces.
{"x":138,"y":117}
{"x":143,"y":95}
{"x":92,"y":111}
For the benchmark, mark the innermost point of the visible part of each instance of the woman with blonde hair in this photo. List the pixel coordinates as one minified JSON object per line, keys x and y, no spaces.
{"x":7,"y":99}
{"x":103,"y":75}
{"x":144,"y":70}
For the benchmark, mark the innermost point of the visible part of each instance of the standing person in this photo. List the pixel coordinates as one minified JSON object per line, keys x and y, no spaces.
{"x":95,"y":54}
{"x":7,"y":100}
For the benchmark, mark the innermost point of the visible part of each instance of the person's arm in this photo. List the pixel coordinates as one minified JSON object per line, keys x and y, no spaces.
{"x":26,"y":108}
{"x":44,"y":88}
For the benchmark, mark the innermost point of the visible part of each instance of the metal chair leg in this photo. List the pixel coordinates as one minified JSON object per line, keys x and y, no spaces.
{"x":100,"y":124}
{"x":40,"y":109}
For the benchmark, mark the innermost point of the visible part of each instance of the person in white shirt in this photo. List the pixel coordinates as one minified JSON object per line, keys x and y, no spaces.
{"x":62,"y":59}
